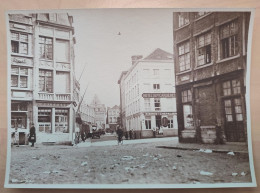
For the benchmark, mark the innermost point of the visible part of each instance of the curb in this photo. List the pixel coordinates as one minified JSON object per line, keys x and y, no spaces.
{"x":197,"y":149}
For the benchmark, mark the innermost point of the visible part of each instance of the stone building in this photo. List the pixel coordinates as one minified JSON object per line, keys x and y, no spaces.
{"x":149,"y":89}
{"x":113,"y":116}
{"x":42,"y":74}
{"x":100,"y":112}
{"x":211,"y":60}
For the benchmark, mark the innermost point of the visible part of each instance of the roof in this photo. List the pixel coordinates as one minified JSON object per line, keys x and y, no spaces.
{"x":121,"y":76}
{"x":159,"y":54}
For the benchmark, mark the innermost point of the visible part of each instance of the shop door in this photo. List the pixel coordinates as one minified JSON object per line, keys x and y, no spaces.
{"x":234,"y":126}
{"x":158,"y":119}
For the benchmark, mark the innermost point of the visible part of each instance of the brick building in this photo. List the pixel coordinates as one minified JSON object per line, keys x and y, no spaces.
{"x":210,"y":56}
{"x":42,"y":85}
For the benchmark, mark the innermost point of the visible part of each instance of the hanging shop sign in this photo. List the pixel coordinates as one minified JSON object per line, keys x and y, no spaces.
{"x":160,"y":113}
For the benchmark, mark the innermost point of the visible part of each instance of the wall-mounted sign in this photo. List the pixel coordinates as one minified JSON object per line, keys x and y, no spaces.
{"x":158,"y":95}
{"x":160,"y":113}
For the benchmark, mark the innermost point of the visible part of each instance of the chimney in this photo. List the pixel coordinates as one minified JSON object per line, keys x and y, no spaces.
{"x":135,"y":58}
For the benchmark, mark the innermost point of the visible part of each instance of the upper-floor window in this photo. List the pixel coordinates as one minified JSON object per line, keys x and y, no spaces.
{"x":231,"y":87}
{"x":186,"y":96}
{"x":156,"y":86}
{"x":62,"y":53}
{"x":229,"y":39}
{"x":204,"y":49}
{"x":184,"y":56}
{"x":200,"y":14}
{"x":156,"y":72}
{"x":46,"y":48}
{"x":147,"y":105}
{"x":183,"y":19}
{"x":19,"y":77}
{"x":45,"y":81}
{"x":157,"y":104}
{"x":19,"y":43}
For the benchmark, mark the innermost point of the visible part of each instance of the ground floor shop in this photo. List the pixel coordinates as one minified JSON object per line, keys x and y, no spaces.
{"x":152,"y":124}
{"x":213,"y":110}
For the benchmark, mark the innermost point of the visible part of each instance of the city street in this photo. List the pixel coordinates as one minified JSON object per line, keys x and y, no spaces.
{"x":136,"y":161}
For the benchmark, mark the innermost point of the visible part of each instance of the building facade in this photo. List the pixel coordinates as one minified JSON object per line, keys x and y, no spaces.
{"x":121,"y":83}
{"x":150,"y":101}
{"x":100,"y":113}
{"x":42,"y":74}
{"x":113,"y":116}
{"x":87,"y":113}
{"x":211,"y":50}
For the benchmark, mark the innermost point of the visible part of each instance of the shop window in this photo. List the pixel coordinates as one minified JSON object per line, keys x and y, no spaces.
{"x":231,"y":87}
{"x":45,"y":81}
{"x":44,"y":120}
{"x":170,"y":123}
{"x":19,"y":43}
{"x":19,"y":120}
{"x":184,"y":56}
{"x":183,"y":19}
{"x":157,"y":104}
{"x":19,"y":77}
{"x":62,"y":53}
{"x":229,"y":39}
{"x":61,"y":120}
{"x":19,"y":106}
{"x":204,"y":49}
{"x":188,"y":116}
{"x":46,"y":48}
{"x":148,"y":123}
{"x":186,"y":96}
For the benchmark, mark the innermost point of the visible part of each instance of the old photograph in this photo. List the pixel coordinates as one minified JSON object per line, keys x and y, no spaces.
{"x":129,"y":98}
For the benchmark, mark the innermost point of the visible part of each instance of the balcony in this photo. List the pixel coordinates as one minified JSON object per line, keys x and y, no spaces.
{"x":54,"y":97}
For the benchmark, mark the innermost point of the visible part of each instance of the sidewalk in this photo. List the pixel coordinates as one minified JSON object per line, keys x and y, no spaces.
{"x":173,"y":143}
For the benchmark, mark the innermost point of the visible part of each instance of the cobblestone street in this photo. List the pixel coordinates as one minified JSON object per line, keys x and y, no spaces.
{"x":136,"y":163}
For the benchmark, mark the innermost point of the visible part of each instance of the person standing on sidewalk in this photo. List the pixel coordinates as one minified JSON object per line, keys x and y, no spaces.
{"x":32,"y":137}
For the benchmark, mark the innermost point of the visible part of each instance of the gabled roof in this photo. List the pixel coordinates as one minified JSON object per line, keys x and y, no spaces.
{"x":159,"y":54}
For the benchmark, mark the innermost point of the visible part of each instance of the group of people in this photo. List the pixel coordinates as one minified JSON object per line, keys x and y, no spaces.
{"x":31,"y":136}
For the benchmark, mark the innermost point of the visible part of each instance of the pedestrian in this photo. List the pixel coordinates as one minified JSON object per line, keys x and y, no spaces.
{"x":15,"y":136}
{"x":126,"y":135}
{"x":131,"y":134}
{"x":154,"y":132}
{"x":32,"y":137}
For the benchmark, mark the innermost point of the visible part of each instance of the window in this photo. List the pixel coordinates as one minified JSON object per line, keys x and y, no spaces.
{"x":183,"y":19}
{"x":156,"y":86}
{"x":62,"y":82}
{"x":204,"y":49}
{"x":18,"y":107}
{"x":148,"y":124}
{"x":188,"y":117}
{"x":62,"y":51}
{"x":19,"y":43}
{"x":184,"y":56}
{"x":46,"y":48}
{"x":19,"y":77}
{"x":156,"y":72}
{"x":147,"y":104}
{"x":170,"y":123}
{"x":229,"y":39}
{"x":238,"y":109}
{"x":231,"y":87}
{"x":19,"y":120}
{"x":44,"y":119}
{"x":228,"y":110}
{"x":61,"y":120}
{"x":186,"y":96}
{"x":157,"y":104}
{"x":45,"y":81}
{"x":200,"y":14}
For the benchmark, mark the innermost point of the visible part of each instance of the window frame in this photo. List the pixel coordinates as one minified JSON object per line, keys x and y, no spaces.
{"x":231,"y":88}
{"x":183,"y":54}
{"x":157,"y":104}
{"x":19,"y":42}
{"x":46,"y":90}
{"x":183,"y":19}
{"x":19,"y":75}
{"x":43,"y":46}
{"x":204,"y":49}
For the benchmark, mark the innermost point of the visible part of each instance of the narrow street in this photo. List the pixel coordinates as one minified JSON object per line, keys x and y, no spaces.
{"x":138,"y":163}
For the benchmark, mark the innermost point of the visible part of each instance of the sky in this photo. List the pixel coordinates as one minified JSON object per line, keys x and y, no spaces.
{"x":104,"y":54}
